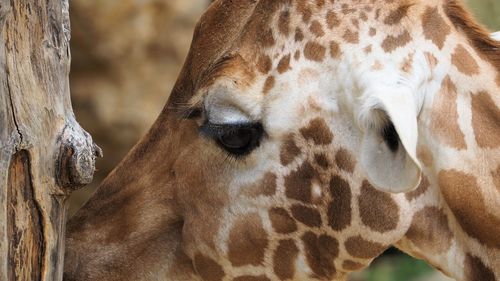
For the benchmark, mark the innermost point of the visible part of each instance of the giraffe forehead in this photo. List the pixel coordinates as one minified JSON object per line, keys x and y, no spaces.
{"x":284,"y":70}
{"x":271,"y":36}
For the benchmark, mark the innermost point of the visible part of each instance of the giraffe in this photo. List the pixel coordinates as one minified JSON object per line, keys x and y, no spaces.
{"x":301,"y":140}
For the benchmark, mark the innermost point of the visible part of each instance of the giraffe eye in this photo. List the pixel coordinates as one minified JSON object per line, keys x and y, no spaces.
{"x":236,"y":139}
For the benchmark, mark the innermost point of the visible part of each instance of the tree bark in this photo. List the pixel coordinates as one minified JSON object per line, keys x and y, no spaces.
{"x":44,"y":153}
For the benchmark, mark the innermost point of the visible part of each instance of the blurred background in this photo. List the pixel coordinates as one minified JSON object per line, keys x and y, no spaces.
{"x":126,"y":57}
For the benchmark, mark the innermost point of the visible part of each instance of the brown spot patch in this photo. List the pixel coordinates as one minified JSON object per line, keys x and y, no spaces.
{"x":335,"y":50}
{"x":372,"y":32}
{"x":320,"y":253}
{"x":355,"y":22}
{"x":308,"y":216}
{"x":317,"y":131}
{"x":476,"y":270}
{"x":320,"y":3}
{"x":332,"y":19}
{"x":391,"y":43}
{"x":304,"y":10}
{"x":298,"y":183}
{"x":339,"y":210}
{"x":284,"y":64}
{"x":361,"y":248}
{"x":429,"y":231}
{"x":408,"y":63}
{"x":425,"y":156}
{"x":421,"y":189}
{"x":322,"y":160}
{"x":352,"y":265}
{"x":377,"y":209}
{"x":464,"y":197}
{"x":284,"y":23}
{"x":346,"y":9}
{"x":345,"y":161}
{"x":351,"y":37}
{"x":397,"y":15}
{"x":265,"y":186}
{"x":247,"y":241}
{"x":314,"y":51}
{"x":444,"y":116}
{"x":464,"y":61}
{"x":284,"y":259}
{"x":289,"y":151}
{"x":264,"y":64}
{"x":269,"y":84}
{"x":281,"y":221}
{"x":299,"y":36}
{"x":431,"y":59}
{"x":296,"y":56}
{"x":316,"y":28}
{"x":435,"y":28}
{"x":485,"y":120}
{"x":363,"y":16}
{"x":208,"y":269}
{"x":266,"y":39}
{"x":252,"y":278}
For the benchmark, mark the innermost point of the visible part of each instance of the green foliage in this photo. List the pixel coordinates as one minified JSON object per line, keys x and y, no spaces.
{"x":486,"y":11}
{"x":397,"y":269}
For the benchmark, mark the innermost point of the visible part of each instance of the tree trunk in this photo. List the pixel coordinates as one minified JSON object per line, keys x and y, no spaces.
{"x":44,"y":153}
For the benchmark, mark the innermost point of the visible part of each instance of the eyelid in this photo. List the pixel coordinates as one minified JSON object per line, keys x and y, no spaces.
{"x":215,"y":130}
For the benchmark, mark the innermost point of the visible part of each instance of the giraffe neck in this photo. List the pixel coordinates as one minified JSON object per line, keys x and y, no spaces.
{"x":455,"y":211}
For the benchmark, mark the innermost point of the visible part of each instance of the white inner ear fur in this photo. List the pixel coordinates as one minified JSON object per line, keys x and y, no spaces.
{"x":390,"y":171}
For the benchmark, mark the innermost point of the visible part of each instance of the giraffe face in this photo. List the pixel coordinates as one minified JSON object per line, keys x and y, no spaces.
{"x":294,"y":141}
{"x":299,"y":116}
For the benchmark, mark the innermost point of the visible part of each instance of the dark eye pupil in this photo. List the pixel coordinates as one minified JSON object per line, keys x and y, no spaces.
{"x":238,"y":139}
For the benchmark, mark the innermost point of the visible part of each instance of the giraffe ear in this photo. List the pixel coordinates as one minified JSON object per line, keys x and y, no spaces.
{"x":389,"y":144}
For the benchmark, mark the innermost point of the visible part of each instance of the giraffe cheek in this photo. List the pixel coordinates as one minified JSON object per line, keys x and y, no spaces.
{"x":248,"y":241}
{"x":207,"y":268}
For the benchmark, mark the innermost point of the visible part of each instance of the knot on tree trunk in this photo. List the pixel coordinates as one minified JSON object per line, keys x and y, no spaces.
{"x":77,"y":155}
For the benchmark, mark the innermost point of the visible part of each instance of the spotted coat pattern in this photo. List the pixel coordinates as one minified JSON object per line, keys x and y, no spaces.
{"x":301,"y":206}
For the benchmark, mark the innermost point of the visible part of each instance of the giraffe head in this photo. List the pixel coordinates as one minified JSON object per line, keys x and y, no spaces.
{"x":281,"y":152}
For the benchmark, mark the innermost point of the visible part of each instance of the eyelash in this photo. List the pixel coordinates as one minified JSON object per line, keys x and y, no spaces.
{"x":224,"y":134}
{"x":218,"y":130}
